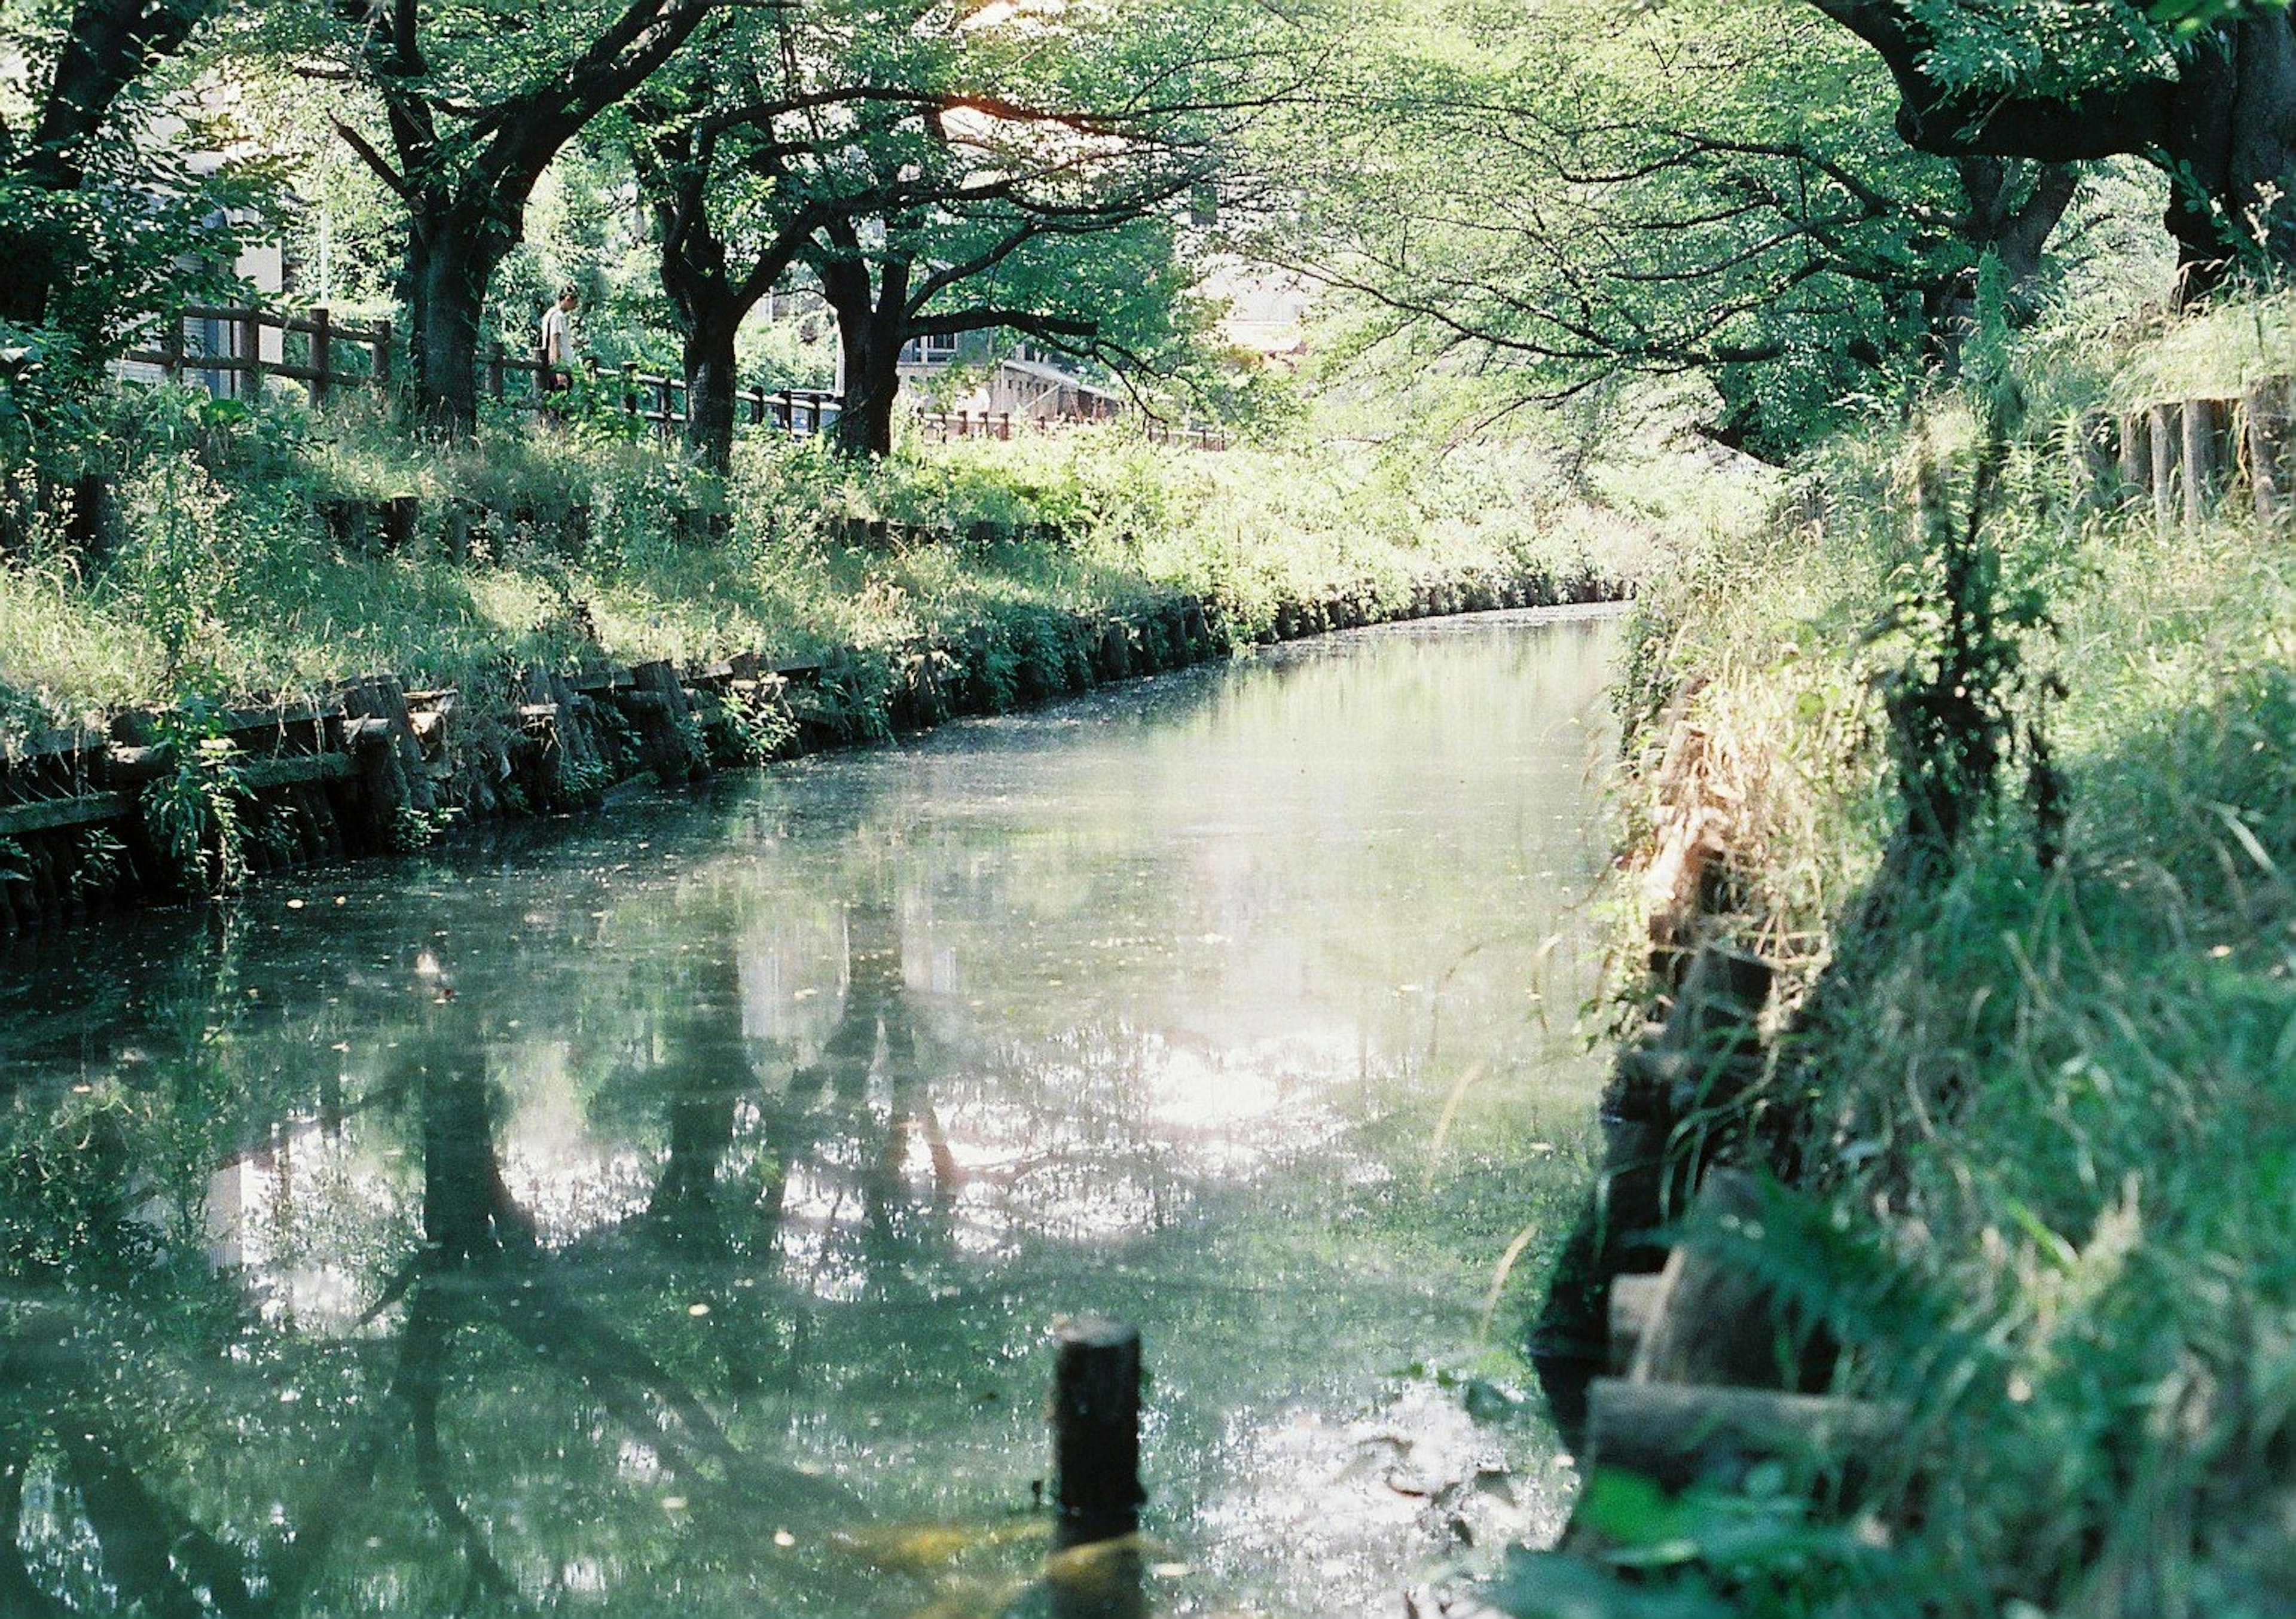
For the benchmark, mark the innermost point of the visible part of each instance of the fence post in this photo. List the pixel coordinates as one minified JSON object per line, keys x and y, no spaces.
{"x":322,"y":353}
{"x":380,"y":344}
{"x":789,"y":410}
{"x":495,"y":369}
{"x":661,"y":392}
{"x":251,"y":354}
{"x":756,"y":398}
{"x":629,"y":387}
{"x":1005,"y":427}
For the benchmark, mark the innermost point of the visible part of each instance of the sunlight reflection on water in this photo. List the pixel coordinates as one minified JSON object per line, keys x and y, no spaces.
{"x":738,"y":1153}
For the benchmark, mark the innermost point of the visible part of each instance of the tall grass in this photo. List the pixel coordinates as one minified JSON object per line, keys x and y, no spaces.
{"x":224,"y":580}
{"x":2056,"y":1101}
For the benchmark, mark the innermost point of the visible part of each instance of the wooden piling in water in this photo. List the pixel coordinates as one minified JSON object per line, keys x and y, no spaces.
{"x":658,"y":707}
{"x":1094,"y":1416}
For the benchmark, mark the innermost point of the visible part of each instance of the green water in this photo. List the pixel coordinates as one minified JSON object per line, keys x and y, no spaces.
{"x":666,"y":1213}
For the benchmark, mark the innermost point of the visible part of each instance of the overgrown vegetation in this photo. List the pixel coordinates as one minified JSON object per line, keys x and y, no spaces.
{"x":244,"y":556}
{"x":2034,"y":1096}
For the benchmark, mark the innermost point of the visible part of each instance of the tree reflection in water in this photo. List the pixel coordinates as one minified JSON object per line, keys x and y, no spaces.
{"x":622,"y":1229}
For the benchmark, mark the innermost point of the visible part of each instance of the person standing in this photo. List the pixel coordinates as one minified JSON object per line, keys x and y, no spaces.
{"x":558,"y":341}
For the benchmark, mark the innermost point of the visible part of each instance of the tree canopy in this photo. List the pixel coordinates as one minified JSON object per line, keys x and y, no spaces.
{"x":1558,"y":196}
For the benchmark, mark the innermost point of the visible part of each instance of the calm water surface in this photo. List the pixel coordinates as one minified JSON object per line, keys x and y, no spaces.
{"x":666,"y":1214}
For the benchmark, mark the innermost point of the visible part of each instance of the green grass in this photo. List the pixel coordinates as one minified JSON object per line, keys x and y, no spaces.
{"x":2051,"y":1107}
{"x":225,"y":583}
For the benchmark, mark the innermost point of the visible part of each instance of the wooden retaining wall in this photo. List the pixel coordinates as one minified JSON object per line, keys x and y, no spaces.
{"x":2189,"y":459}
{"x":376,"y":765}
{"x":1662,"y":1357}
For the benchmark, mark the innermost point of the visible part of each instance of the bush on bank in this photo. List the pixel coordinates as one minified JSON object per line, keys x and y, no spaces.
{"x":238,"y":553}
{"x":2033,"y":1097}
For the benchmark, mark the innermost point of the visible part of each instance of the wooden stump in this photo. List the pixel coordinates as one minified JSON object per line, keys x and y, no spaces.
{"x":566,"y":767}
{"x":2136,"y":456}
{"x":1712,"y":1324}
{"x":2165,"y":425}
{"x":2265,"y":434}
{"x":1115,"y":650}
{"x":662,"y":714}
{"x":2207,"y":427}
{"x":1094,"y":1416}
{"x":382,"y":790}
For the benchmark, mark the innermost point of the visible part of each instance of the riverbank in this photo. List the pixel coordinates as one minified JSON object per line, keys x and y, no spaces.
{"x":273,"y":641}
{"x":1990,"y":759}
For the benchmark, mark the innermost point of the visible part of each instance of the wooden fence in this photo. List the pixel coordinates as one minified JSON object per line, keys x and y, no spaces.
{"x":228,"y":342}
{"x":324,"y":355}
{"x":327,"y":355}
{"x":2189,"y":456}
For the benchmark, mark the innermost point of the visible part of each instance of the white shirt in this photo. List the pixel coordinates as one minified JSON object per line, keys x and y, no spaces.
{"x":557,"y":340}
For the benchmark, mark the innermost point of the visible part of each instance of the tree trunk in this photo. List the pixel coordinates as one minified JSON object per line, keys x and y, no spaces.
{"x":24,"y":289}
{"x":448,"y":268}
{"x":872,"y":322}
{"x":710,"y":384}
{"x":2232,"y":153}
{"x":872,"y":380}
{"x":865,"y":423}
{"x":2010,"y":219}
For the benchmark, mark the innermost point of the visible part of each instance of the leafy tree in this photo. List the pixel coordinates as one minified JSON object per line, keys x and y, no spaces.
{"x":93,"y":218}
{"x":940,"y":174}
{"x":742,"y":158}
{"x":1707,"y":192}
{"x":477,"y":102}
{"x":2204,"y":89}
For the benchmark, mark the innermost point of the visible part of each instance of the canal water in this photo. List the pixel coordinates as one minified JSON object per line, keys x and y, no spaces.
{"x":666,"y":1213}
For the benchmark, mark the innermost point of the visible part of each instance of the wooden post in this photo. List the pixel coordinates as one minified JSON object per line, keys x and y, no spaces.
{"x":2136,"y":456}
{"x":495,"y":369}
{"x":2265,"y":432}
{"x":251,"y":354}
{"x":789,"y":410}
{"x":2166,"y":428}
{"x":756,"y":399}
{"x":1005,"y":427}
{"x":322,"y":353}
{"x":381,"y":347}
{"x":662,"y":394}
{"x":2206,"y":425}
{"x":1095,"y":1422}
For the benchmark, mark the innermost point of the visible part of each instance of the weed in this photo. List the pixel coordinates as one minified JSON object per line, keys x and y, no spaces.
{"x":193,"y":811}
{"x":99,"y":862}
{"x":750,"y":726}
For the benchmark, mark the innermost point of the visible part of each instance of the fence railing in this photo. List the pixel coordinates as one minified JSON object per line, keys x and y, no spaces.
{"x":325,"y":354}
{"x":225,"y":346}
{"x":228,"y":342}
{"x":939,"y":427}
